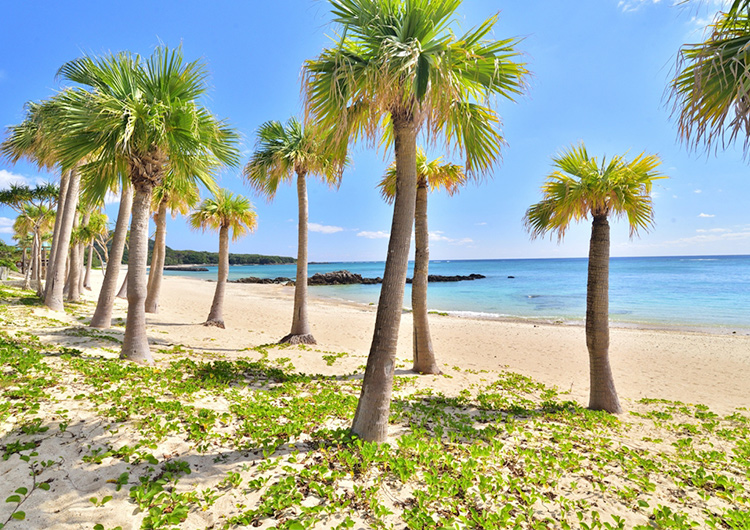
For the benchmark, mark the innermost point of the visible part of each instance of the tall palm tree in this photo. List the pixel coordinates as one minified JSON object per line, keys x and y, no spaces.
{"x":36,"y":139}
{"x":141,"y":117}
{"x":581,"y":187}
{"x":102,"y":318}
{"x":178,"y":196}
{"x":223,"y":212}
{"x":281,"y":152}
{"x":431,"y":175}
{"x":710,"y":91}
{"x":399,"y":65}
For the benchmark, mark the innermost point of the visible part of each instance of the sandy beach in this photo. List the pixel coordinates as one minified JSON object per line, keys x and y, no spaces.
{"x":683,"y":366}
{"x":695,"y":369}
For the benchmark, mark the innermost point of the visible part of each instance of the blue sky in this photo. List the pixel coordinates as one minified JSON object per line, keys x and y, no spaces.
{"x":600,"y":71}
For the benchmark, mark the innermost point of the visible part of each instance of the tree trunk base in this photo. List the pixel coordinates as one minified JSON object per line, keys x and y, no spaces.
{"x":298,"y":339}
{"x":139,"y":359}
{"x":427,"y":370}
{"x":214,"y":323}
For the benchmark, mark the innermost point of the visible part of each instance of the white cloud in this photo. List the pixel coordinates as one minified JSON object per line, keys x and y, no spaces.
{"x":374,"y":235}
{"x":698,"y":191}
{"x":6,"y":225}
{"x":7,"y":178}
{"x":716,"y":235}
{"x":324,"y":229}
{"x":483,"y":223}
{"x":111,"y":198}
{"x":713,"y":231}
{"x":629,"y":6}
{"x":706,"y":215}
{"x":438,"y":236}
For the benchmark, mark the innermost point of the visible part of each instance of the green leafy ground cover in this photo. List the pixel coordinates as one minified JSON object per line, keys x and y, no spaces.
{"x":205,"y":440}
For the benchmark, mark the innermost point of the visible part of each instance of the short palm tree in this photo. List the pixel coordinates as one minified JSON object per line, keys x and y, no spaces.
{"x":178,"y":196}
{"x":223,"y":212}
{"x":431,"y":175}
{"x":87,"y":234}
{"x":710,"y":90}
{"x":400,"y":66}
{"x":581,"y":187}
{"x":281,"y":152}
{"x":141,"y":118}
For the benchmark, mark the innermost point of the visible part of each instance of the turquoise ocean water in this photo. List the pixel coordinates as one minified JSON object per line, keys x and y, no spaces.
{"x":710,"y":293}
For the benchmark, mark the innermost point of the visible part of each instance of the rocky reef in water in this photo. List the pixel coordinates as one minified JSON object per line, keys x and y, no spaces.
{"x":349,"y":278}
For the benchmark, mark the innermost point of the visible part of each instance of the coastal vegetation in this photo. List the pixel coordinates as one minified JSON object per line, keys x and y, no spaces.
{"x":224,"y":212}
{"x":282,"y":152}
{"x":431,"y":175}
{"x":579,"y":188}
{"x":400,"y":67}
{"x":221,"y":437}
{"x":234,"y":440}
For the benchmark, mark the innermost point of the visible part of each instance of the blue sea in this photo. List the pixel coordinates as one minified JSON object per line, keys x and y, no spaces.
{"x":707,"y":293}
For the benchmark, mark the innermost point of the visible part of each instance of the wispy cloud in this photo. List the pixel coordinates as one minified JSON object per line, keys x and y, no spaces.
{"x":374,"y":235}
{"x":697,"y":191}
{"x":483,"y":223}
{"x":324,"y":229}
{"x":438,"y":236}
{"x":713,"y":230}
{"x":707,"y":215}
{"x":111,"y":198}
{"x":628,"y":6}
{"x":6,"y":225}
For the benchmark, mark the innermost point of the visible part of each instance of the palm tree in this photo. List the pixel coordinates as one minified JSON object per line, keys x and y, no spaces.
{"x":581,"y":186}
{"x":102,"y":318}
{"x":710,"y":91}
{"x":35,"y":205}
{"x":399,"y":65}
{"x":431,"y":175}
{"x":223,"y":212}
{"x":36,"y":139}
{"x":178,"y":196}
{"x":141,"y":118}
{"x":283,"y":151}
{"x":87,"y":234}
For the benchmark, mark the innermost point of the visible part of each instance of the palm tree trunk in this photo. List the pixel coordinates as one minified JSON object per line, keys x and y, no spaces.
{"x":76,"y":265}
{"x":157,"y":263}
{"x":102,"y":318}
{"x":216,"y":315}
{"x":424,"y":356}
{"x":64,"y":182}
{"x":38,"y":261}
{"x":371,"y":419}
{"x":24,"y":257}
{"x":135,"y":343}
{"x":27,"y":272}
{"x":603,"y":395}
{"x":301,"y":333}
{"x":53,"y":297}
{"x":89,"y":260}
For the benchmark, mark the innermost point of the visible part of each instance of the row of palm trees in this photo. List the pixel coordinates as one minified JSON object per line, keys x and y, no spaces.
{"x":398,"y":73}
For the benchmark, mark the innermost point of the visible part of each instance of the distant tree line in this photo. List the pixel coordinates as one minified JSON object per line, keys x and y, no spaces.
{"x":200,"y":257}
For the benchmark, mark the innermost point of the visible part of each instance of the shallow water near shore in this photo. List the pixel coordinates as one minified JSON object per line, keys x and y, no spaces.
{"x":705,"y":293}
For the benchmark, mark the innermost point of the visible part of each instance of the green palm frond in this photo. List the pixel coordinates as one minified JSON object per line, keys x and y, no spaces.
{"x":129,"y":108}
{"x":711,"y":89}
{"x":448,"y":177}
{"x":225,"y":210}
{"x":283,"y":150}
{"x":582,"y":186}
{"x":401,"y":57}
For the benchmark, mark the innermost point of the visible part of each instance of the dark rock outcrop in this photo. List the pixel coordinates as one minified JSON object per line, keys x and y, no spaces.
{"x":350,"y":278}
{"x":184,"y":268}
{"x":254,"y":279}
